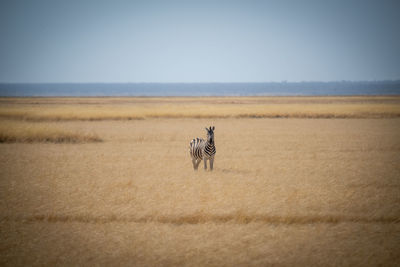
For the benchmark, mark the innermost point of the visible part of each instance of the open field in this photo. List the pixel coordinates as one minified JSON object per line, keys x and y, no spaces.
{"x":60,"y":109}
{"x":28,"y":132}
{"x":284,"y":191}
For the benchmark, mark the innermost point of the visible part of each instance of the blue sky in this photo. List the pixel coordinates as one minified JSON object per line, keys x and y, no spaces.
{"x":198,"y":41}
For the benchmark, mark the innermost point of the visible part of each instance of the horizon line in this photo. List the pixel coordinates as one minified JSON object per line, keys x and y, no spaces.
{"x":283,"y":81}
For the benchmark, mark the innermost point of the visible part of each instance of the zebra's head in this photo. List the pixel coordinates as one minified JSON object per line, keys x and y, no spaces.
{"x":210,"y":134}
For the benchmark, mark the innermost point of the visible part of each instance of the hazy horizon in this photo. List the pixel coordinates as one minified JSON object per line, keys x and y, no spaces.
{"x":221,"y":82}
{"x":198,"y":42}
{"x":201,"y":89}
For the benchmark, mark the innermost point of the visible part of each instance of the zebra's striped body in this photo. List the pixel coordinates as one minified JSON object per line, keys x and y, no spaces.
{"x":201,"y":149}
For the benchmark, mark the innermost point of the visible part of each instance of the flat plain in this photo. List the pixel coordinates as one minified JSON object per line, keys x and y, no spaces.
{"x":109,"y":181}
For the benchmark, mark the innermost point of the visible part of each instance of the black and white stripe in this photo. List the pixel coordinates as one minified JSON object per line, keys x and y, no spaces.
{"x":203,"y":150}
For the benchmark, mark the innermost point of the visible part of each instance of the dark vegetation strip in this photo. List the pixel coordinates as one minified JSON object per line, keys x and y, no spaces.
{"x":206,"y":218}
{"x":65,"y":138}
{"x":201,"y":116}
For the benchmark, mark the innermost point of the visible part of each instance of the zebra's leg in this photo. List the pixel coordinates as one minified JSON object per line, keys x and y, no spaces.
{"x":205,"y":164}
{"x":194,"y":164}
{"x":211,"y":163}
{"x":197,"y":163}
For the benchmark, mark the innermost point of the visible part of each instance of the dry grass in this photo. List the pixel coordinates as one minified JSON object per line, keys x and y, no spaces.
{"x":283,"y":192}
{"x":27,"y":132}
{"x":60,"y":109}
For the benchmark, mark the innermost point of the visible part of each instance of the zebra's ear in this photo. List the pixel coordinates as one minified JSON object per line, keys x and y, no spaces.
{"x":207,"y":129}
{"x":213,"y":128}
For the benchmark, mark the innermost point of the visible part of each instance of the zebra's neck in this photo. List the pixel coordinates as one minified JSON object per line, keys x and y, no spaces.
{"x":209,"y":144}
{"x":209,"y":150}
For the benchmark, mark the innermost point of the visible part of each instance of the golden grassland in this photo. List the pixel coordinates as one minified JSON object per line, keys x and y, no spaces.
{"x":60,"y":109}
{"x":28,"y":132}
{"x":297,"y":191}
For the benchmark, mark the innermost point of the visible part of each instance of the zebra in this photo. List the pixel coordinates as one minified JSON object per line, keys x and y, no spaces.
{"x":203,"y":150}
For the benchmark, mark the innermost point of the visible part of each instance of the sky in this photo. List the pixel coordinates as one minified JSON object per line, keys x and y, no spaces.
{"x":198,"y":41}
